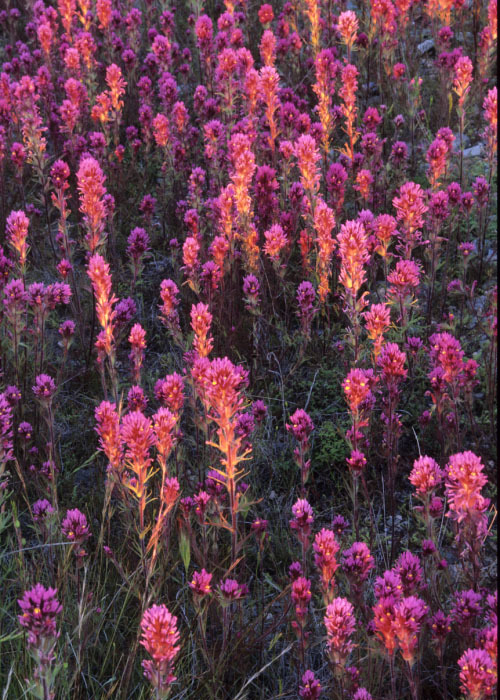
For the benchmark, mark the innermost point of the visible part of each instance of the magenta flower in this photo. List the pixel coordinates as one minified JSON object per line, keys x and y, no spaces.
{"x":357,"y":562}
{"x":201,"y":585}
{"x":410,"y":572}
{"x":477,"y":674}
{"x":232,"y":590}
{"x":44,"y":388}
{"x":40,"y":608}
{"x":75,"y":527}
{"x":310,"y":688}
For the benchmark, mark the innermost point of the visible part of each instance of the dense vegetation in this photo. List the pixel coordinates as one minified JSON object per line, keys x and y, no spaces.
{"x":248,"y":349}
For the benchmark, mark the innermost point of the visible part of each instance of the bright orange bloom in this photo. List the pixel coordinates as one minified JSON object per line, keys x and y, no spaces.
{"x":268,"y":48}
{"x":110,"y":439}
{"x":313,"y":14}
{"x":353,"y":250}
{"x":116,"y":85}
{"x":325,"y":548}
{"x":268,"y":88}
{"x":348,"y":26}
{"x":377,"y":321}
{"x":464,"y":482}
{"x":463,"y":78}
{"x":348,"y":94}
{"x":45,"y":37}
{"x":17,"y":234}
{"x":138,"y":436}
{"x":98,"y":271}
{"x":85,"y":13}
{"x":308,"y":156}
{"x":190,"y":251}
{"x":161,"y":131}
{"x":383,"y":622}
{"x":326,"y":67}
{"x":104,"y":9}
{"x":385,"y":231}
{"x":90,"y":179}
{"x":201,"y":319}
{"x":357,"y":388}
{"x":383,"y":15}
{"x":324,"y":221}
{"x":67,"y":11}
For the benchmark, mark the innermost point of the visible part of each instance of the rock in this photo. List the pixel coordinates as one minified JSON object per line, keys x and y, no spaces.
{"x":473,"y":152}
{"x":425,"y":47}
{"x":456,"y":142}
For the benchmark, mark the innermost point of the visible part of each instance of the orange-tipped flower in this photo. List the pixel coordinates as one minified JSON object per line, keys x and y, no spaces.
{"x":308,"y":156}
{"x":324,"y":221}
{"x":17,"y":234}
{"x":98,"y":271}
{"x":104,"y":9}
{"x":463,"y":78}
{"x":276,"y":240}
{"x":201,"y":319}
{"x":116,"y":85}
{"x":464,"y":482}
{"x":90,"y":179}
{"x":348,"y":26}
{"x":161,"y":130}
{"x":377,"y":321}
{"x":340,"y":624}
{"x":353,"y":251}
{"x":160,"y":638}
{"x":137,"y":340}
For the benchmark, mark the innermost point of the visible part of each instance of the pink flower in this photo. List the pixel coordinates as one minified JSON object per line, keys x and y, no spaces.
{"x":464,"y":482}
{"x":159,"y":637}
{"x":301,"y":425}
{"x":325,"y":548}
{"x":477,"y":674}
{"x":408,"y":615}
{"x":201,"y":584}
{"x":340,"y":624}
{"x":425,"y":476}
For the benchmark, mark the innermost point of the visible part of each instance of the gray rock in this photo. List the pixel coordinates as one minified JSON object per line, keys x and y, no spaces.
{"x":456,"y":142}
{"x":473,"y":152}
{"x":425,"y":47}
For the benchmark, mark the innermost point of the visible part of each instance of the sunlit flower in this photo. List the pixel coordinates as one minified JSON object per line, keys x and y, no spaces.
{"x":160,"y":638}
{"x":340,"y":624}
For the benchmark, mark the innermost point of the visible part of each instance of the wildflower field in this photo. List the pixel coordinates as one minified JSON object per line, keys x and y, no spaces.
{"x":248,"y":327}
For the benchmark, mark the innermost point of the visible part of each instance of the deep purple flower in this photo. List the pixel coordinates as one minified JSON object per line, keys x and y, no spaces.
{"x":410,"y":571}
{"x":74,"y":526}
{"x":310,"y":688}
{"x":44,"y":388}
{"x":40,"y":608}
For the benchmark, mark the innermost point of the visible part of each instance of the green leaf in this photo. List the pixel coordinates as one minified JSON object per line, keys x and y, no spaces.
{"x":185,"y":549}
